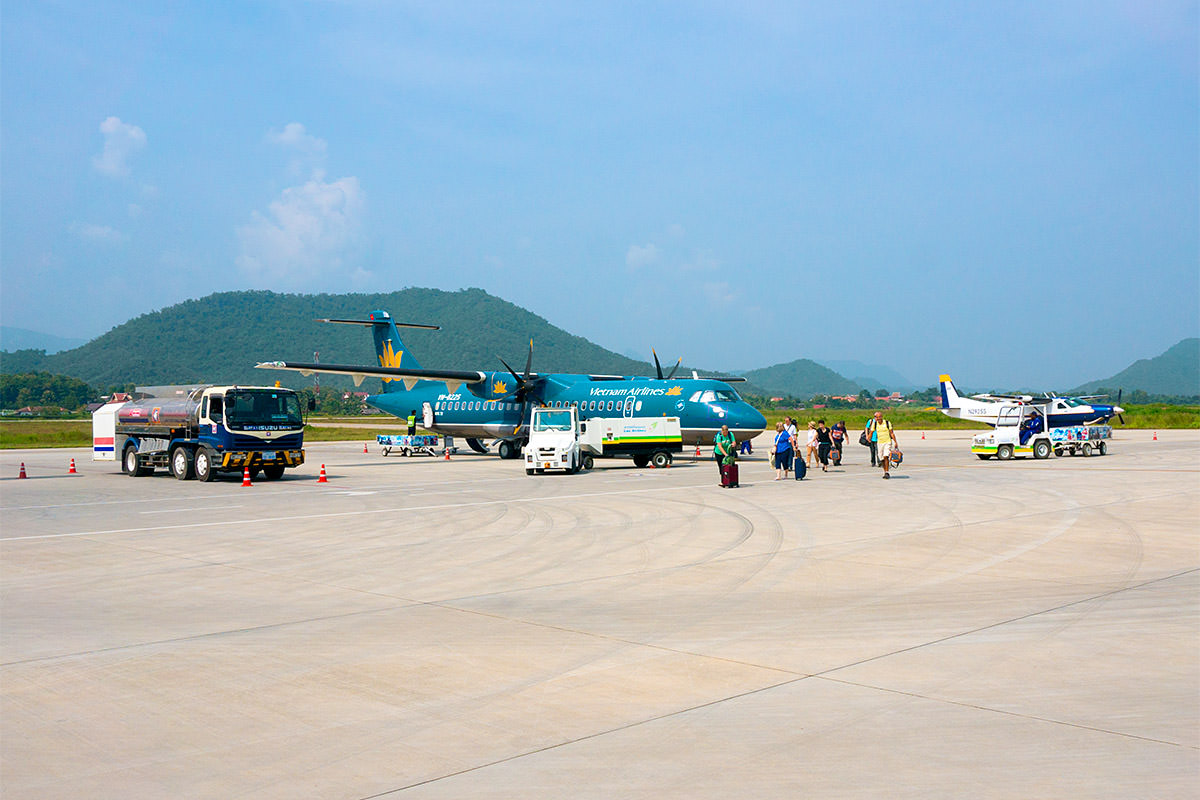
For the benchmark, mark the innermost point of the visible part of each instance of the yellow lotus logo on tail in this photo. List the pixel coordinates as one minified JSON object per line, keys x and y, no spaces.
{"x":674,"y":391}
{"x":499,"y":387}
{"x":390,"y":358}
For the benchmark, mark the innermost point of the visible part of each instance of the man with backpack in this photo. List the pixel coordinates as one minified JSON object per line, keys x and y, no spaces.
{"x":880,"y":433}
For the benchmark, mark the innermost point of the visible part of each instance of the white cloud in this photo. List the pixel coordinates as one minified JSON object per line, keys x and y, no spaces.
{"x":101,"y":234}
{"x":720,"y":294}
{"x":308,"y":151}
{"x":641,"y":255}
{"x":121,"y":141}
{"x":304,"y":234}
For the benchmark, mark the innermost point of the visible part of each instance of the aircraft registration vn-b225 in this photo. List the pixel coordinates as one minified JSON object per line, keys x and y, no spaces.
{"x":496,"y":405}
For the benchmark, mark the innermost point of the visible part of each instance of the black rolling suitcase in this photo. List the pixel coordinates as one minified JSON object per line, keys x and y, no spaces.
{"x":800,"y":468}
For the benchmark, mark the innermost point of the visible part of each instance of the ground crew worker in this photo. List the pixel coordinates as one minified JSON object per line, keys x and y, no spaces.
{"x":412,"y":423}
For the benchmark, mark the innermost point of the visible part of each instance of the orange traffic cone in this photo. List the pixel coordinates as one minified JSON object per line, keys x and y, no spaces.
{"x":322,"y":479}
{"x":22,"y":475}
{"x":697,"y":449}
{"x":922,"y":435}
{"x":246,"y":477}
{"x":72,"y":471}
{"x":365,"y":447}
{"x":447,"y":453}
{"x":1155,"y":436}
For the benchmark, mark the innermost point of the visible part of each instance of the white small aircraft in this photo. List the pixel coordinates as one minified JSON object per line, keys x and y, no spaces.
{"x":1061,"y":411}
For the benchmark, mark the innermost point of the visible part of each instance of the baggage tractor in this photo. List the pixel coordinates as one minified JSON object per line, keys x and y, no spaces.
{"x":729,"y":475}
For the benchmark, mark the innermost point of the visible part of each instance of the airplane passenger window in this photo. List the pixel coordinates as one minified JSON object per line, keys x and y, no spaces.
{"x":608,"y":406}
{"x":638,"y":407}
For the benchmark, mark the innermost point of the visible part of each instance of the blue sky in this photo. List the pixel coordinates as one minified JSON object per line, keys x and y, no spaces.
{"x":1005,"y":191}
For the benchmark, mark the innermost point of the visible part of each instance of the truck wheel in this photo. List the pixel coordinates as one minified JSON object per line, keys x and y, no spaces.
{"x":203,"y":465}
{"x":274,"y":471}
{"x":528,"y":470}
{"x":1041,"y":450}
{"x":1058,"y":451}
{"x":1004,"y":452}
{"x":1087,"y":449}
{"x":1103,"y":447}
{"x":588,"y":461}
{"x":660,"y":459}
{"x":130,"y":462}
{"x":181,"y":463}
{"x":641,"y":459}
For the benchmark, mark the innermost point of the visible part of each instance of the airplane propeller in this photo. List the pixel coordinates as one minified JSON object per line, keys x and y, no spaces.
{"x":1119,"y":416}
{"x":658,"y":366}
{"x":526,"y":390}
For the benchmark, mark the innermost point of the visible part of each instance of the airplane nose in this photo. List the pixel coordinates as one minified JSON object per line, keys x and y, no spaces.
{"x":749,"y":418}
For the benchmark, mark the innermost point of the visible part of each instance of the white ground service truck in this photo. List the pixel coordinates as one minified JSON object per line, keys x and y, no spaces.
{"x":1021,"y":431}
{"x":559,"y":439}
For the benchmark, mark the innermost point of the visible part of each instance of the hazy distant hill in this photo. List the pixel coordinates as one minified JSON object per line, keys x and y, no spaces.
{"x":872,"y":376}
{"x":800,"y":378}
{"x":23,"y":339}
{"x":219,"y":338}
{"x":1175,"y":372}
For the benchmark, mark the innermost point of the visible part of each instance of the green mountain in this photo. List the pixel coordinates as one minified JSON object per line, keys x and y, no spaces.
{"x":219,"y":339}
{"x":1175,"y":372}
{"x":801,"y":378}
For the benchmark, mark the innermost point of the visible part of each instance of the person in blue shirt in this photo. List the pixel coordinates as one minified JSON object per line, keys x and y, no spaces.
{"x":783,"y":451}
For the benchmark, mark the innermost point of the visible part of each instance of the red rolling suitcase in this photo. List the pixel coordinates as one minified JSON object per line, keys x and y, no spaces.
{"x":729,"y":475}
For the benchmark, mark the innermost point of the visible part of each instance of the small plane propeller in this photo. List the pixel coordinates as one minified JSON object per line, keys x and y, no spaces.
{"x":658,"y":366}
{"x":1120,"y":416}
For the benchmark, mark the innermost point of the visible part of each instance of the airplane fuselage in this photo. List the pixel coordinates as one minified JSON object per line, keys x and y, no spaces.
{"x":487,"y":409}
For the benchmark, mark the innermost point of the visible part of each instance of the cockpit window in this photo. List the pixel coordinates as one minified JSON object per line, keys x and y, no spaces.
{"x":718,"y":396}
{"x":695,"y":398}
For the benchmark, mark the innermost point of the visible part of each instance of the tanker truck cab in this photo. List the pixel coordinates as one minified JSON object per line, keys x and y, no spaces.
{"x":211,"y":430}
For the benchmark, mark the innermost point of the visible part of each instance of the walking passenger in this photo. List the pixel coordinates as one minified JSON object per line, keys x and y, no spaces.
{"x":810,"y":447}
{"x":783,"y":451}
{"x":884,"y":438}
{"x":868,"y":440}
{"x":723,"y":447}
{"x":838,"y":434}
{"x":824,"y":445}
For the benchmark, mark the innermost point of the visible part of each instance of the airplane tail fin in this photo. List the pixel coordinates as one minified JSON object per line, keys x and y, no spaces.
{"x":950,"y":395}
{"x":389,"y":349}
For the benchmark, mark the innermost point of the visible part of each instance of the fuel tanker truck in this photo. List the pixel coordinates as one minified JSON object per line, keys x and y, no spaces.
{"x":213,"y":429}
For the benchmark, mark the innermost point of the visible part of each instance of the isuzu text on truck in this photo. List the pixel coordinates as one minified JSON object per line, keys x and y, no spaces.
{"x":214,"y":429}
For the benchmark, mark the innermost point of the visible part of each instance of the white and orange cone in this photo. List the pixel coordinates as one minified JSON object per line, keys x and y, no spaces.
{"x":322,"y":479}
{"x":22,"y":475}
{"x":72,"y":470}
{"x":246,"y":477}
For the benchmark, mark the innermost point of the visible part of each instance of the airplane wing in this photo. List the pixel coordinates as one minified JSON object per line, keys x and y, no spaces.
{"x":453,"y":378}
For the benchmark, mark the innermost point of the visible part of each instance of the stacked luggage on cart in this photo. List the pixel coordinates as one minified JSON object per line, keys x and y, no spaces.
{"x":418,"y":445}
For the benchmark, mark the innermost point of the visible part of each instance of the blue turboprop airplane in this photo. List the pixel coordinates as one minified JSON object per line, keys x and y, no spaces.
{"x":496,"y":405}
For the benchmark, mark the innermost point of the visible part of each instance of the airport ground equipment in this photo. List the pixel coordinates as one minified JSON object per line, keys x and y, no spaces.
{"x":559,"y":439}
{"x":416,"y":445}
{"x":213,"y":429}
{"x":1021,"y":431}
